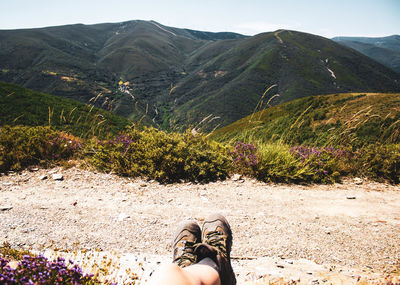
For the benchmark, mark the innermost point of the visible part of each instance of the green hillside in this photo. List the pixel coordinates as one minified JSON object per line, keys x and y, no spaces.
{"x":81,"y":61}
{"x":21,"y":106}
{"x":231,"y":82}
{"x":335,"y":119}
{"x":177,"y":77}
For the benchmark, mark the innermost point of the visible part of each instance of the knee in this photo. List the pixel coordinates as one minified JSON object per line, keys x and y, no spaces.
{"x":170,"y":267}
{"x":168,"y":274}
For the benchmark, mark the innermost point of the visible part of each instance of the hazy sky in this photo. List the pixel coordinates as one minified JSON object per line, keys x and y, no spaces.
{"x":322,"y":17}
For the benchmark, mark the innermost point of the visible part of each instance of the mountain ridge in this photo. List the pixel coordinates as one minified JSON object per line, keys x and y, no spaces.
{"x":385,"y":50}
{"x":177,"y":77}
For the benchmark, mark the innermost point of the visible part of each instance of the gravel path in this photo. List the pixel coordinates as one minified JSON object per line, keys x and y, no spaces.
{"x":279,"y":230}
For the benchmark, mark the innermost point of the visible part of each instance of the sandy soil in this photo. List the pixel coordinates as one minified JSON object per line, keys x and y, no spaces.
{"x":314,"y":233}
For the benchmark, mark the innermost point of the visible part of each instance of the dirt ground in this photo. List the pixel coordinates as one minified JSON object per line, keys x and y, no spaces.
{"x":323,"y":234}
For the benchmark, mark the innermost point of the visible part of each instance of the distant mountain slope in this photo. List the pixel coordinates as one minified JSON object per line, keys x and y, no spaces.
{"x":234,"y":77}
{"x":176,"y":77}
{"x":325,"y":119}
{"x":21,"y":106}
{"x":390,"y":42}
{"x":385,"y":50}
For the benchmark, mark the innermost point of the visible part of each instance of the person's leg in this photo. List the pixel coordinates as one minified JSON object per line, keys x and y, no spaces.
{"x":196,"y":274}
{"x":201,"y":257}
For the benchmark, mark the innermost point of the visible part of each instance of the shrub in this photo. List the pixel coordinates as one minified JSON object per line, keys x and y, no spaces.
{"x":166,"y":157}
{"x":22,"y":146}
{"x":327,"y":164}
{"x":244,"y":158}
{"x":38,"y":270}
{"x":278,"y":164}
{"x":381,"y":162}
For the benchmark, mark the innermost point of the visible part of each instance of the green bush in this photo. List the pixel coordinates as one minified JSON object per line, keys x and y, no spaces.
{"x":171,"y":157}
{"x":277,"y":164}
{"x":22,"y":146}
{"x":166,"y":157}
{"x":381,"y":162}
{"x":327,"y":164}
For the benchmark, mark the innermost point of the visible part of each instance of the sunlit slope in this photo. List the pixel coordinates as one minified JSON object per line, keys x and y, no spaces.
{"x":326,"y":119}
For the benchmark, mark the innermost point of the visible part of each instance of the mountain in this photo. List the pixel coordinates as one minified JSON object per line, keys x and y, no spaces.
{"x":82,"y":61}
{"x":331,"y":119}
{"x":22,"y":106}
{"x":385,"y":50}
{"x":177,"y":77}
{"x":232,"y":81}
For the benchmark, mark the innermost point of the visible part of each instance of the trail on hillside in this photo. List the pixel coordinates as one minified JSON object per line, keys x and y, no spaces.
{"x":276,"y":34}
{"x":283,"y":231}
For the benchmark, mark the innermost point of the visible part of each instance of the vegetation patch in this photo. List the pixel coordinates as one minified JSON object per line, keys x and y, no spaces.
{"x":166,"y":157}
{"x":21,"y":106}
{"x":174,"y":157}
{"x":352,"y":119}
{"x":22,"y":146}
{"x":7,"y":251}
{"x":39,"y":270}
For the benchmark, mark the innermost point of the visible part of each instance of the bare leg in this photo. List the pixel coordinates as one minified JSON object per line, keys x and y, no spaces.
{"x":196,"y":274}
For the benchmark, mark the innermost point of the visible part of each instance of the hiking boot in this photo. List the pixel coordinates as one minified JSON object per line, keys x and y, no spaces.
{"x":187,"y":236}
{"x":217,"y":244}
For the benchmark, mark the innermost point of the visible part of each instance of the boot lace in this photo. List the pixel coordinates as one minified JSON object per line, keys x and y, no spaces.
{"x":216,"y":240}
{"x":187,"y":254}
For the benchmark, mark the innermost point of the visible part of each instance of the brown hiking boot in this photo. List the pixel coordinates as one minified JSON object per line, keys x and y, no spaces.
{"x":187,"y":236}
{"x":217,"y":244}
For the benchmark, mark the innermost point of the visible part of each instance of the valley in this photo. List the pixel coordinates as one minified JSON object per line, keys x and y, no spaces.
{"x":177,"y":77}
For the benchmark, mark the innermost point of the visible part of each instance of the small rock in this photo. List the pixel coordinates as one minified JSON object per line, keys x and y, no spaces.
{"x":5,"y":208}
{"x":351,"y":197}
{"x":170,"y":200}
{"x":236,"y":177}
{"x":280,"y":266}
{"x":13,"y":264}
{"x":58,"y":177}
{"x":75,"y":203}
{"x":122,"y":217}
{"x":43,"y":177}
{"x":34,"y":169}
{"x":143,"y":185}
{"x":358,"y":181}
{"x":7,"y":183}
